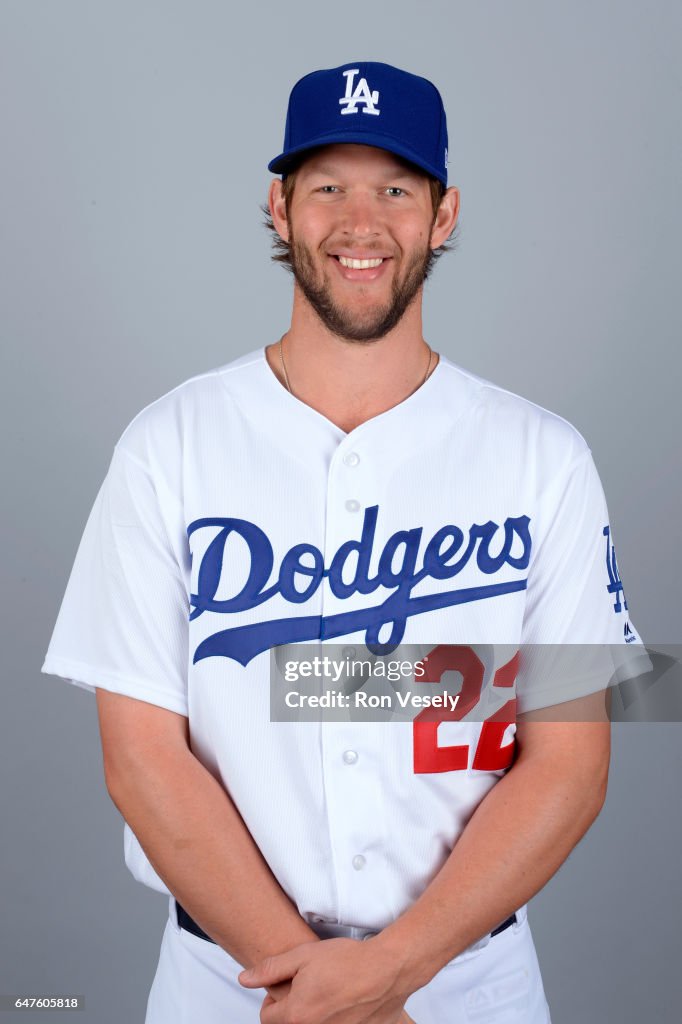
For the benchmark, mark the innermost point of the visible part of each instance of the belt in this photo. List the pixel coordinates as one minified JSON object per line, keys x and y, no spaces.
{"x":190,"y":925}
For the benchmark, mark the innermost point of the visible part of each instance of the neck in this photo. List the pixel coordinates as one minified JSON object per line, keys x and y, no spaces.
{"x":350,"y":382}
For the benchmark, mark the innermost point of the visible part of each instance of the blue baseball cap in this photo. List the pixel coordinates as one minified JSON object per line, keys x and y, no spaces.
{"x":372,"y":104}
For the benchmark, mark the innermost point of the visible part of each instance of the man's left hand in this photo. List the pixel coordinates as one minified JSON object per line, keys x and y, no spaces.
{"x":336,"y":981}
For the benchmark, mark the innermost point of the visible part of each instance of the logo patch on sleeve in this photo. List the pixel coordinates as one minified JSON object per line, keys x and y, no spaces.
{"x":615,"y":584}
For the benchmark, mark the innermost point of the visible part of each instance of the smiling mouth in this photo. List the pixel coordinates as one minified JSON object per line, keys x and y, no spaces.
{"x":354,"y":264}
{"x":359,"y":264}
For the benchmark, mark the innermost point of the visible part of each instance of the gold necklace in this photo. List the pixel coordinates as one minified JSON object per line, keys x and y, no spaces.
{"x":286,"y":375}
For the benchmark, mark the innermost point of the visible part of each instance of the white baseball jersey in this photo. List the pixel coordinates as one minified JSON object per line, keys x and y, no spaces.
{"x":234,"y":518}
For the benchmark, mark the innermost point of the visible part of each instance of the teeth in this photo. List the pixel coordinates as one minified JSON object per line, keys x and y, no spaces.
{"x":345,"y":261}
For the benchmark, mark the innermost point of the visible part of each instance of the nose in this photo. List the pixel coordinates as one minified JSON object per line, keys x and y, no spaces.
{"x":361,"y":216}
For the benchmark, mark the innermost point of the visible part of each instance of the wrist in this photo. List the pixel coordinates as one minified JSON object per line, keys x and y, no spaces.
{"x":277,"y":944}
{"x":409,"y":961}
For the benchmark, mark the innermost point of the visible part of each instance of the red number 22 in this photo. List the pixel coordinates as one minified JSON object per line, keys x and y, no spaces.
{"x":491,"y":754}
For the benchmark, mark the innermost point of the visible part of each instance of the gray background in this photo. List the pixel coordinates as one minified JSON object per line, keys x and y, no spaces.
{"x":135,"y":138}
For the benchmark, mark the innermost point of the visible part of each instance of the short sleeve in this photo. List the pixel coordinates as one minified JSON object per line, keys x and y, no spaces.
{"x":123,"y":620}
{"x":577,"y":635}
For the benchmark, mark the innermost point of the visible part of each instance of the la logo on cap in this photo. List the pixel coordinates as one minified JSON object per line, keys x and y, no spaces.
{"x":362,"y":94}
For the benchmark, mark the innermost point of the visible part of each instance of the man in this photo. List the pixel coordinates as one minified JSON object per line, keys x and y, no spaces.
{"x":346,"y":484}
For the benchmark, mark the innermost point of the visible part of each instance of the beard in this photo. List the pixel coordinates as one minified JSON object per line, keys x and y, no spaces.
{"x":345,"y":322}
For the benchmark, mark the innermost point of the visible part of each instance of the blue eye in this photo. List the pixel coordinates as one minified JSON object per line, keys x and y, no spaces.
{"x":395,"y":188}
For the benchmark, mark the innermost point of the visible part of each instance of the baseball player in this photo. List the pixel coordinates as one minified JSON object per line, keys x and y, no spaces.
{"x":346,"y":484}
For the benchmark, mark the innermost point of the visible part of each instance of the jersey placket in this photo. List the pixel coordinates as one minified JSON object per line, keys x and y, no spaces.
{"x":351,"y":751}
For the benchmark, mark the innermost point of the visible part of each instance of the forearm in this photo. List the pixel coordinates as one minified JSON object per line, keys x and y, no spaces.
{"x":198,"y":844}
{"x":515,"y":841}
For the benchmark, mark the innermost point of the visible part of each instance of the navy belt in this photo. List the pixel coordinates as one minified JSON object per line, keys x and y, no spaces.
{"x":501,"y":927}
{"x":190,"y":925}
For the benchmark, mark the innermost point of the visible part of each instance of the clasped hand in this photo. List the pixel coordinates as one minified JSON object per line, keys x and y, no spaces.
{"x":335,"y":981}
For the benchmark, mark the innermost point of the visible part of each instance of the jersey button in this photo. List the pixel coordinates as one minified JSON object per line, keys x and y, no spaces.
{"x":352,"y":505}
{"x":350,"y":756}
{"x":359,"y":862}
{"x":351,"y":459}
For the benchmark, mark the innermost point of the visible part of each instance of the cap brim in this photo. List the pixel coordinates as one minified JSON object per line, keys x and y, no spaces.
{"x":285,"y":162}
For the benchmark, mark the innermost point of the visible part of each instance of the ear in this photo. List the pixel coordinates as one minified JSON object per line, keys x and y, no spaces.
{"x":277,"y":208}
{"x":446,"y":218}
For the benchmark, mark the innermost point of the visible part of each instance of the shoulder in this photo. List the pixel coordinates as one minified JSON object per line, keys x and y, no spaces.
{"x":160,"y":428}
{"x":514,"y":426}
